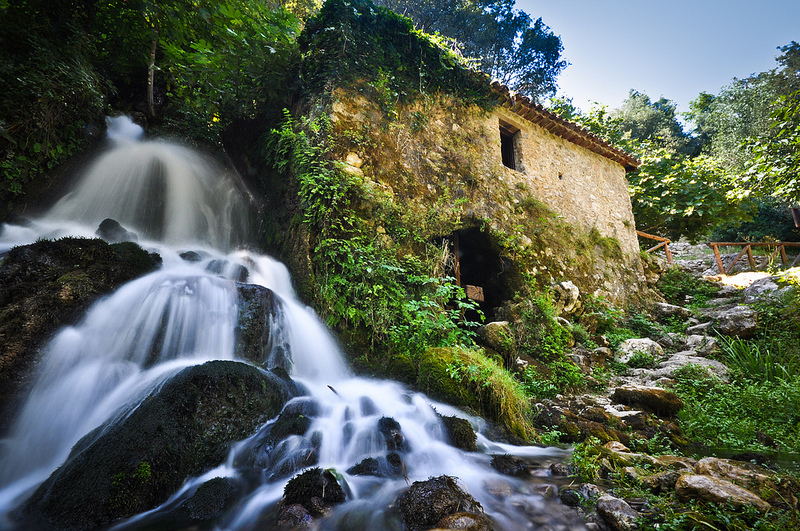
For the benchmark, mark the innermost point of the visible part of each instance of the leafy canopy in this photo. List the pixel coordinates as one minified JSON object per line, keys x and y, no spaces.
{"x":506,"y":43}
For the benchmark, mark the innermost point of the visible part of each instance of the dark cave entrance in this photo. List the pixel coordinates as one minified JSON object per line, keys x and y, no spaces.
{"x":479,"y":269}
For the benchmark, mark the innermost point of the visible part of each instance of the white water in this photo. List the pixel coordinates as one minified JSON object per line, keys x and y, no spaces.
{"x":133,"y":340}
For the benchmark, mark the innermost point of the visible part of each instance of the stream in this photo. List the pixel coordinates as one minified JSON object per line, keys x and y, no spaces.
{"x":180,"y":204}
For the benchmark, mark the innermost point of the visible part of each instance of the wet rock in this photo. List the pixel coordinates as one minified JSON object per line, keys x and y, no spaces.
{"x":112,"y":232}
{"x":715,"y":490}
{"x":616,"y":446}
{"x":182,"y":429}
{"x":294,"y":516}
{"x":50,"y":284}
{"x":617,"y":513}
{"x":629,"y":347}
{"x":466,"y":522}
{"x":509,"y":465}
{"x":653,"y":399}
{"x":191,"y":256}
{"x":257,"y":309}
{"x":739,"y":321}
{"x":571,"y":497}
{"x":559,"y":469}
{"x":426,"y":503}
{"x":210,"y":500}
{"x":393,"y":434}
{"x":460,"y":433}
{"x":675,"y":462}
{"x":390,"y":466}
{"x":315,"y":489}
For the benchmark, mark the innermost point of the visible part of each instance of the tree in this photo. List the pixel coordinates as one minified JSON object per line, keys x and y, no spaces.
{"x":776,"y":157}
{"x":655,"y":121}
{"x":506,"y":43}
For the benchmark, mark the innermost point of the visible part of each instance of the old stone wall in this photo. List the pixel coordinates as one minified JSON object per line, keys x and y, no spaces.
{"x":586,"y":188}
{"x":436,"y":148}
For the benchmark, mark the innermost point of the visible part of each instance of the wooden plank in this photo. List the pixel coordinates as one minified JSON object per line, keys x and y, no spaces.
{"x":750,"y":257}
{"x":669,"y":254}
{"x":784,"y":258}
{"x":717,"y":257}
{"x":474,"y":293}
{"x":741,"y":254}
{"x":651,"y":249}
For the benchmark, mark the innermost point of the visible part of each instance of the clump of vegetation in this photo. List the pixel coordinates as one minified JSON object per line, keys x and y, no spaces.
{"x":468,"y":378}
{"x":676,"y":284}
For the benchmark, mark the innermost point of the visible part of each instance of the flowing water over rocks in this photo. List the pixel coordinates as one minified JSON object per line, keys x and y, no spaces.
{"x":170,"y":404}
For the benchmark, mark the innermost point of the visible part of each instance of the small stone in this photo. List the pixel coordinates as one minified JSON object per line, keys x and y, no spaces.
{"x":570,"y":497}
{"x":715,"y":490}
{"x":617,"y":513}
{"x":616,"y":446}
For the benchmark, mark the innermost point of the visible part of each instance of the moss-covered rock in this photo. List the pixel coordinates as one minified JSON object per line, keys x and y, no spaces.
{"x":50,"y":284}
{"x":180,"y":430}
{"x":460,"y":433}
{"x":426,"y":503}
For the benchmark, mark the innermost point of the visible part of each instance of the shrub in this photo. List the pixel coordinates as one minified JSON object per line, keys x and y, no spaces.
{"x":676,"y":284}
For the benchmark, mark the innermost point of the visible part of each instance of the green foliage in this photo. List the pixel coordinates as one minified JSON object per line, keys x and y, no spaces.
{"x":642,"y":360}
{"x":52,"y":94}
{"x":389,"y":302}
{"x":657,"y":122}
{"x":756,"y":361}
{"x":765,"y":219}
{"x":555,"y":377}
{"x":676,"y":284}
{"x":776,"y":160}
{"x":729,"y":415}
{"x":538,"y":334}
{"x":351,"y":42}
{"x":506,"y":43}
{"x":586,"y":459}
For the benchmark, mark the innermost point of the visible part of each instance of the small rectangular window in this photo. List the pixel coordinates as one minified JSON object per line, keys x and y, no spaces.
{"x":508,"y":145}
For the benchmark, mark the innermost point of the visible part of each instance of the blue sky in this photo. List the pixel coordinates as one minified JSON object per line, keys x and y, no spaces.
{"x":670,"y":48}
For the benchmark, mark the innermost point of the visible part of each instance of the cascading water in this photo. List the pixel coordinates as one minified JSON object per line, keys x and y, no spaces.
{"x":185,"y":314}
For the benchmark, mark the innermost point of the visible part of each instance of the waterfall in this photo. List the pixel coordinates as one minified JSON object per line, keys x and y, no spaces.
{"x":131,"y":342}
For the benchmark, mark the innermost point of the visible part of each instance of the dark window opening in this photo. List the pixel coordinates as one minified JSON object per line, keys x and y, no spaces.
{"x":508,"y":145}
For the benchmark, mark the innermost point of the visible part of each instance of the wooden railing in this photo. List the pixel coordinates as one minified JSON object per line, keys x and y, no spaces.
{"x":664,"y":243}
{"x":780,"y":248}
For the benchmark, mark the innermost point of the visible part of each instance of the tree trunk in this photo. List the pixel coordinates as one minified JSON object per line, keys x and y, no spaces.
{"x":151,"y":70}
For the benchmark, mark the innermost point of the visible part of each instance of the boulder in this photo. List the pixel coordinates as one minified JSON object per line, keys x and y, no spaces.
{"x":183,"y":428}
{"x":739,"y":321}
{"x":715,"y":490}
{"x":566,"y":298}
{"x":460,"y":433}
{"x":112,"y":232}
{"x":702,"y":345}
{"x":425,"y":503}
{"x":663,"y":310}
{"x":653,"y":399}
{"x":509,"y":465}
{"x":617,"y":513}
{"x":629,"y":347}
{"x":764,"y":288}
{"x":50,"y":284}
{"x":315,"y":490}
{"x":498,"y":336}
{"x":255,"y":342}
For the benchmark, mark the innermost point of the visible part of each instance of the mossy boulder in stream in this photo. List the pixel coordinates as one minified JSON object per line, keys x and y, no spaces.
{"x":180,"y":430}
{"x":50,"y":284}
